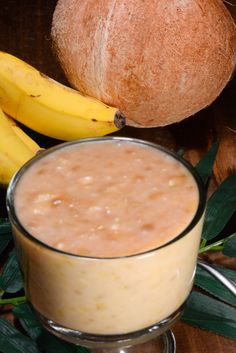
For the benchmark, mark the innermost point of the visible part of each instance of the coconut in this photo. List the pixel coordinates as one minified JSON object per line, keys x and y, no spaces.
{"x":158,"y":61}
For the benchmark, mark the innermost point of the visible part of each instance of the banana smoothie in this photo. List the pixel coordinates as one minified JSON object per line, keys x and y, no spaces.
{"x":107,"y":233}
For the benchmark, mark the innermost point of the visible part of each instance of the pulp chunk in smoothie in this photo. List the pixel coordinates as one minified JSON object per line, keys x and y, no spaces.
{"x":106,"y":200}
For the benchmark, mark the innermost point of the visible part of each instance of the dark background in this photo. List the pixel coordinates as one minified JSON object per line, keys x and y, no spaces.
{"x":25,"y":32}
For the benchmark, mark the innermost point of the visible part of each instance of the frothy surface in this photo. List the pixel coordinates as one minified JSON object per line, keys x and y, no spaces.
{"x":106,"y":199}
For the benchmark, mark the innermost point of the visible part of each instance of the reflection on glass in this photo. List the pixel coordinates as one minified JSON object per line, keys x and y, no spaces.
{"x":126,"y":280}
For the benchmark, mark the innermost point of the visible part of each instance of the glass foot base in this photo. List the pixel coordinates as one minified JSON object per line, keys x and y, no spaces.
{"x":161,"y":344}
{"x":157,"y":338}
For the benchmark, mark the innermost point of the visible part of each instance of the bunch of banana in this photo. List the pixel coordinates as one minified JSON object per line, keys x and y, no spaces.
{"x":16,"y":148}
{"x":49,"y":107}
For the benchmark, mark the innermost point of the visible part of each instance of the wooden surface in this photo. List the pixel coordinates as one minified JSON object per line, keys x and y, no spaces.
{"x":25,"y":32}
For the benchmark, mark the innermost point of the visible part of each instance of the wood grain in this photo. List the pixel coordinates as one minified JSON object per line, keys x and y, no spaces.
{"x":25,"y":32}
{"x":194,"y":340}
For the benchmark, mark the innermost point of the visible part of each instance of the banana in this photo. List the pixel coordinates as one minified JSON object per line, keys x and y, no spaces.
{"x":14,"y":150}
{"x":51,"y":108}
{"x":32,"y":145}
{"x":7,"y":169}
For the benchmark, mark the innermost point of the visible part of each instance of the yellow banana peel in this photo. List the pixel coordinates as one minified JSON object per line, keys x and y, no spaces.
{"x":51,"y":108}
{"x":16,"y":148}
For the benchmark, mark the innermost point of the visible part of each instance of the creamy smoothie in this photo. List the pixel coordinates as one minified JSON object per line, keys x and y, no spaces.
{"x":105,"y":214}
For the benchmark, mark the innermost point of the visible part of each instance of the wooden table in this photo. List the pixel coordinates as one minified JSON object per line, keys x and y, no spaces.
{"x":25,"y":32}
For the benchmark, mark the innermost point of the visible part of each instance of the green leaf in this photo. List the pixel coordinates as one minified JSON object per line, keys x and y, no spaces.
{"x":180,"y":151}
{"x":5,"y":226}
{"x":205,"y":165}
{"x":220,"y":208}
{"x":13,"y":341}
{"x":28,"y":320}
{"x":5,"y":234}
{"x":231,"y":274}
{"x":11,"y":280}
{"x":46,"y":341}
{"x":229,"y":248}
{"x":210,"y":314}
{"x":5,"y":239}
{"x":205,"y":281}
{"x":53,"y":344}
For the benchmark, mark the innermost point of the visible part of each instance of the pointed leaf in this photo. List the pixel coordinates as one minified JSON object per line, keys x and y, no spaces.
{"x":10,"y":279}
{"x":231,"y":274}
{"x":180,"y":151}
{"x":210,"y":314}
{"x":5,"y":239}
{"x":230,"y":247}
{"x":28,"y":320}
{"x":13,"y":341}
{"x":220,"y":208}
{"x":52,"y":344}
{"x":205,"y":281}
{"x":205,"y":165}
{"x":46,"y":341}
{"x":4,"y":226}
{"x":5,"y":234}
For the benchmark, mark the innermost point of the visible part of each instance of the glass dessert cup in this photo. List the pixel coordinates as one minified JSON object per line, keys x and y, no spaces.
{"x":117,"y":304}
